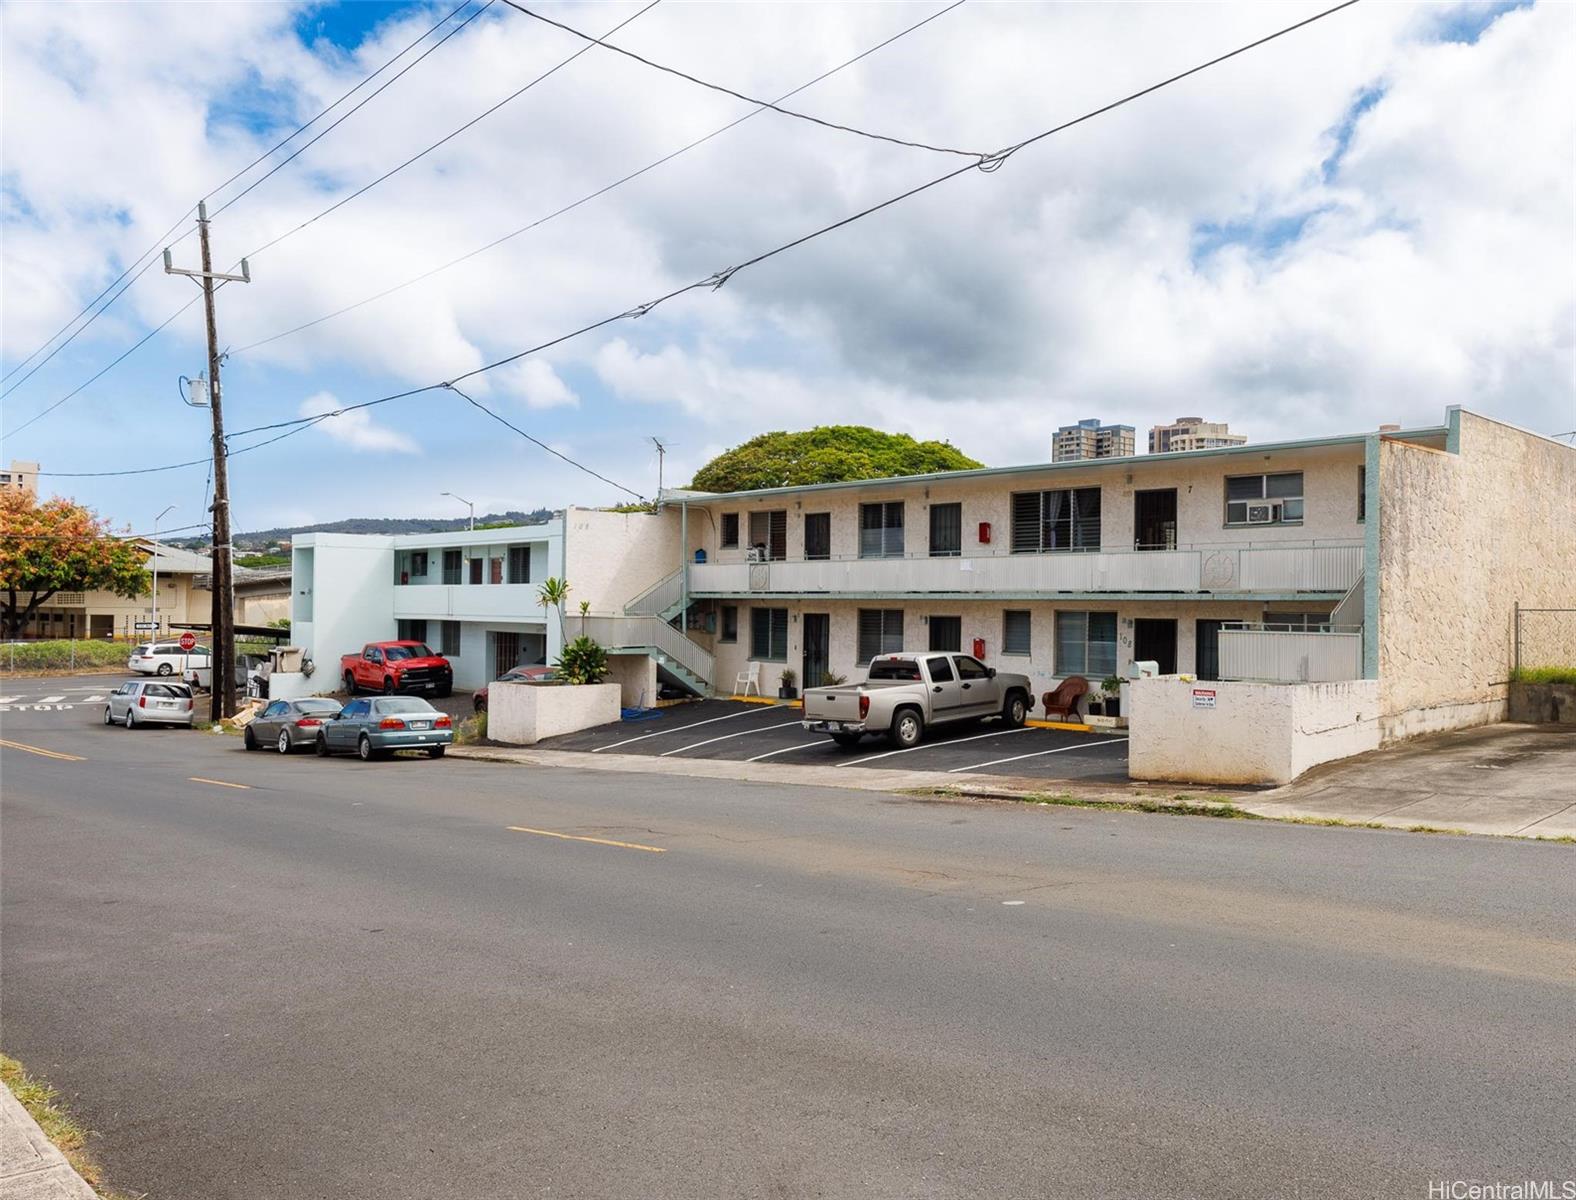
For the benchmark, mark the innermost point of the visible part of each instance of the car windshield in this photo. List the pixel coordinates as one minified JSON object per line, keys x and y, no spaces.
{"x":317,"y":707}
{"x":894,"y":669}
{"x":172,"y":691}
{"x":393,"y":653}
{"x":403,"y":704}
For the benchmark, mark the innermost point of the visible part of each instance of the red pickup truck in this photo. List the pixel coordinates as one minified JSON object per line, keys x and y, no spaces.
{"x":396,"y":667}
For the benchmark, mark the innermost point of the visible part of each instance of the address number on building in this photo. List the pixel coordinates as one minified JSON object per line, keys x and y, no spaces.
{"x":1203,"y":697}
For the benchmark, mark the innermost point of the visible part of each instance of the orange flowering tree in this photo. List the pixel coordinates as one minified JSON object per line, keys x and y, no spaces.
{"x":59,"y":546}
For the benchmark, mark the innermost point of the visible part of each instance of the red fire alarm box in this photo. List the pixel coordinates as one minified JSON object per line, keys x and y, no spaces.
{"x":979,"y":648}
{"x":984,"y":533}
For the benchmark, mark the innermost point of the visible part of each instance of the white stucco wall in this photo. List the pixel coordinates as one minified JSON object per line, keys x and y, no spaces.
{"x":1463,"y":538}
{"x":1255,"y":733}
{"x":636,"y":676}
{"x":610,"y":558}
{"x":522,"y":714}
{"x":348,"y":580}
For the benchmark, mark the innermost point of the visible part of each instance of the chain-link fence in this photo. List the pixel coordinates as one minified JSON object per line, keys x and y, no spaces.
{"x":1545,"y":637}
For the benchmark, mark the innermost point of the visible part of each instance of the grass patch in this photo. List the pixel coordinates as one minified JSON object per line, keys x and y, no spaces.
{"x":1543,"y":675}
{"x":60,"y":1127}
{"x":66,"y":654}
{"x":471,"y":730}
{"x":1179,"y":806}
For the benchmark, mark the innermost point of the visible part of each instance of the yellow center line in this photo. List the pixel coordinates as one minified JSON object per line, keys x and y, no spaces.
{"x":245,"y":787}
{"x":571,"y":837}
{"x":39,"y":750}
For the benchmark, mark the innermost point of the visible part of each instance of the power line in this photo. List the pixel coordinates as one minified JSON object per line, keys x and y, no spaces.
{"x":727,"y":91}
{"x":150,"y":253}
{"x":97,"y":537}
{"x":602,"y":191}
{"x":538,"y":441}
{"x":365,"y":188}
{"x":718,"y":278}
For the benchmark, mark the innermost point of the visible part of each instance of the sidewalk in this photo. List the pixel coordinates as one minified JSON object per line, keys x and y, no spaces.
{"x":1501,"y":780}
{"x":31,"y":1168}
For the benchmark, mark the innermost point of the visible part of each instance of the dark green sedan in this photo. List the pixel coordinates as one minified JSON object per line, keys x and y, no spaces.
{"x":376,"y":726}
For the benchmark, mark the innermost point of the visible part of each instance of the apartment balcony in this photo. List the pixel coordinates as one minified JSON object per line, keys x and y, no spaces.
{"x":1317,"y":569}
{"x":468,"y":602}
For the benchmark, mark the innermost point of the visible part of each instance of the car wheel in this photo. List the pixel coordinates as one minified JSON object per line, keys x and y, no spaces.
{"x":249,"y":739}
{"x":908,"y":727}
{"x":847,"y":740}
{"x":284,"y":742}
{"x":322,"y":746}
{"x":131,"y":718}
{"x":388,"y":685}
{"x":350,"y":683}
{"x":166,"y":669}
{"x":364,"y":748}
{"x":435,"y":751}
{"x":109,"y":717}
{"x":1015,"y":711}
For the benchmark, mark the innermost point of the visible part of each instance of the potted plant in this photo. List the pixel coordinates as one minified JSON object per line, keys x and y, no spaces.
{"x":786,"y":689}
{"x":1095,"y":705}
{"x":1111,"y":689}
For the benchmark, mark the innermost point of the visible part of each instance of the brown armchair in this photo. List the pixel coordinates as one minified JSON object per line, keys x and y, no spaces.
{"x":1064,"y":699}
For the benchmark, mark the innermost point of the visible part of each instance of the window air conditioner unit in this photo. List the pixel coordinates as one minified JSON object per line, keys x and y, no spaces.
{"x":756,"y":554}
{"x":1263,"y":514}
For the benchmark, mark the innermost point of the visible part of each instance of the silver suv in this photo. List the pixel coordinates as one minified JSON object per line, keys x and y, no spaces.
{"x":149,"y":702}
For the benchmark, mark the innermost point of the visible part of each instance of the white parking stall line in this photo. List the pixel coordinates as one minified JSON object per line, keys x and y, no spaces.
{"x":677,"y":729}
{"x":818,"y":742}
{"x":91,"y":699}
{"x":996,"y":762}
{"x":51,"y":699}
{"x":725,"y":737}
{"x":937,"y":745}
{"x":9,"y":699}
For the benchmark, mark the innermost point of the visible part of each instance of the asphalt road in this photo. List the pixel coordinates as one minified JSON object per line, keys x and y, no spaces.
{"x":357,"y":980}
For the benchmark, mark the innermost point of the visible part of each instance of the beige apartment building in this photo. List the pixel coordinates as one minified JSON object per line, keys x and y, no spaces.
{"x":22,"y":477}
{"x":185,"y":595}
{"x":1397,"y":556}
{"x":1192,"y":433}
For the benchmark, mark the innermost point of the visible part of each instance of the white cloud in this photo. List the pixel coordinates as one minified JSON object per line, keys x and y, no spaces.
{"x":356,"y":428}
{"x":535,"y":382}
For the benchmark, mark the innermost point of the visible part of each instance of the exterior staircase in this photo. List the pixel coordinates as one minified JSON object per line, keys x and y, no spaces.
{"x":647,"y":627}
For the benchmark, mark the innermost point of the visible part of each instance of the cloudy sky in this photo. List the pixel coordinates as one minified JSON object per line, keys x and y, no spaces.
{"x":1364,"y":221}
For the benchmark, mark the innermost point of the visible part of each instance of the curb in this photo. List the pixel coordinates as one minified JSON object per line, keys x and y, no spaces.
{"x":31,"y":1166}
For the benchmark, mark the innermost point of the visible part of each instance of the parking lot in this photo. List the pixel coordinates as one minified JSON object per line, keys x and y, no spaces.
{"x":728,"y":729}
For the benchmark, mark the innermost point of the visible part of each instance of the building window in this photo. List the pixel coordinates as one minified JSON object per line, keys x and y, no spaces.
{"x":730,"y":530}
{"x":449,"y":639}
{"x":1264,"y":499}
{"x":818,"y":535}
{"x":1015,"y":631}
{"x":730,"y":623}
{"x":453,"y":571}
{"x":946,"y":633}
{"x":769,"y":535}
{"x":1299,"y":622}
{"x":769,"y":634}
{"x":1086,"y":644}
{"x":418,"y":562}
{"x":478,"y":565}
{"x":1362,"y":494}
{"x":880,"y":632}
{"x":519,"y":564}
{"x":881,"y":530}
{"x":1063,"y":519}
{"x":412,"y":630}
{"x":946,"y":530}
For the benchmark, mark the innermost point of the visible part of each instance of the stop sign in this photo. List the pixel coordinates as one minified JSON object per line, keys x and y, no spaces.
{"x":188,"y":640}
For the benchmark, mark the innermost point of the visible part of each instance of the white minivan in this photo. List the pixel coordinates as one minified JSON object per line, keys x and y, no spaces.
{"x":167,"y":658}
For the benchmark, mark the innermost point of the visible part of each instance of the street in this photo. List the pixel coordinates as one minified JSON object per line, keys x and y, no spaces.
{"x":258,"y":976}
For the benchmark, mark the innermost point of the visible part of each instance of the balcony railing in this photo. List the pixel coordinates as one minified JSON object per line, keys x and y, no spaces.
{"x":1331,"y":567}
{"x":647,"y":633}
{"x":1290,"y":656}
{"x":461,"y":602}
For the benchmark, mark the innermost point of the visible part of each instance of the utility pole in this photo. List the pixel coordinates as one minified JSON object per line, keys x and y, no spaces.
{"x":223,"y":659}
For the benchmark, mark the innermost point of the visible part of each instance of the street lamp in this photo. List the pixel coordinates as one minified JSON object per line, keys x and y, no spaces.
{"x":467,"y":504}
{"x":156,"y":521}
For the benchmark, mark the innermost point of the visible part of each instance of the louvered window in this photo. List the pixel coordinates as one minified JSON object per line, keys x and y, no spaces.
{"x":880,"y":632}
{"x":1062,"y":519}
{"x":519,"y":564}
{"x":769,"y":534}
{"x":946,"y":530}
{"x":769,"y":634}
{"x":881,"y":530}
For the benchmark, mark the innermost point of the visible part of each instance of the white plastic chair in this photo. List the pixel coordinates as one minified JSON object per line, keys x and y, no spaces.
{"x":747,"y":679}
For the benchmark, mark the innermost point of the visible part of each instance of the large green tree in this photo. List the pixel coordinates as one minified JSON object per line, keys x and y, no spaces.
{"x":59,"y":546}
{"x":825,"y":454}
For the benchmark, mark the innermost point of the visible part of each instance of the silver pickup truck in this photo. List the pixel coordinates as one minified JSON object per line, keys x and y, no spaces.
{"x":905,"y":693}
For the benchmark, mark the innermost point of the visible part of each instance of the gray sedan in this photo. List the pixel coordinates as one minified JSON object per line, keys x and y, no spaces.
{"x":289,"y":725}
{"x":140,"y":702}
{"x":375,"y":727}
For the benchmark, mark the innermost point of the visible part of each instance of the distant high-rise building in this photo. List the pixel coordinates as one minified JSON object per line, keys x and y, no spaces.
{"x":1192,"y":433}
{"x":22,"y":477}
{"x":1090,"y":439}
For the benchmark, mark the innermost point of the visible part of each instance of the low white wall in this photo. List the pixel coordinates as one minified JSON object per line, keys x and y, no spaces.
{"x":636,"y":676}
{"x":522,"y":714}
{"x":1186,"y":731}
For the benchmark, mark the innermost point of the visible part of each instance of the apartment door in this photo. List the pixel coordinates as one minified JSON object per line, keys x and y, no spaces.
{"x":1155,"y":641}
{"x":817,"y":649}
{"x":1206,"y":652}
{"x":506,"y":652}
{"x":1155,"y":519}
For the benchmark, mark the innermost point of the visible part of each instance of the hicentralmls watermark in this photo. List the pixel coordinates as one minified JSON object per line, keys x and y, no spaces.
{"x":1518,"y":1189}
